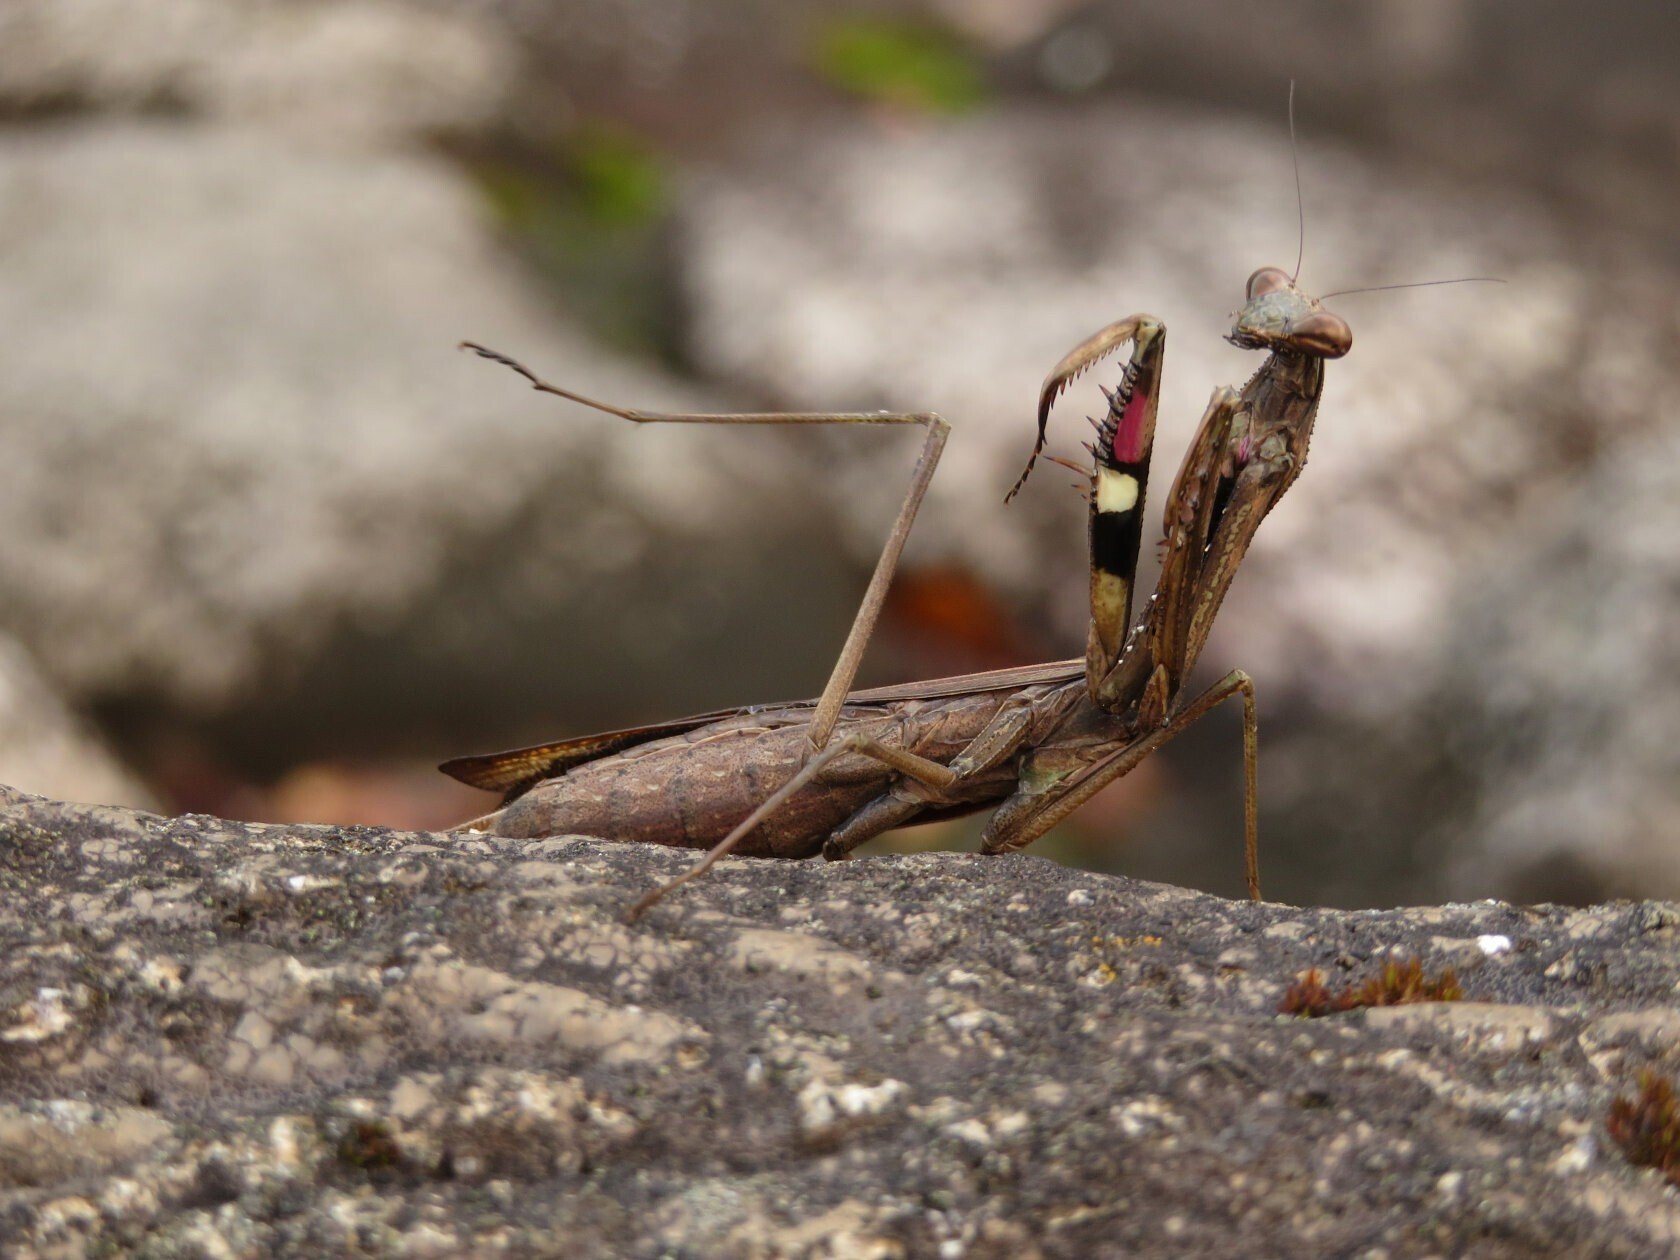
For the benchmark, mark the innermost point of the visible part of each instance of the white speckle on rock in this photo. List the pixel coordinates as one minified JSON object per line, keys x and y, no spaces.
{"x":1011,"y":1124}
{"x":43,"y":1016}
{"x":308,"y":883}
{"x":1079,"y":897}
{"x":826,"y":1109}
{"x":970,"y":1131}
{"x":67,"y":1215}
{"x":160,"y":975}
{"x":1577,"y":1157}
{"x":1564,"y":968}
{"x":758,"y":950}
{"x":283,"y":1141}
{"x":1143,"y":1115}
{"x":1493,"y":945}
{"x":967,"y":1022}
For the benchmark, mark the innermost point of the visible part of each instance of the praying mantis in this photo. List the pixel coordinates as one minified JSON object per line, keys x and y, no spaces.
{"x":823,"y":776}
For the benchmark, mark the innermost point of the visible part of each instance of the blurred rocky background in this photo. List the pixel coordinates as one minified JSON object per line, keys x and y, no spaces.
{"x":270,"y":548}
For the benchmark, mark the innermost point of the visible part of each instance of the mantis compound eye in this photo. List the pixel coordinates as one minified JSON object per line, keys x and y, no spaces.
{"x":1321,"y":333}
{"x":1267,"y":280}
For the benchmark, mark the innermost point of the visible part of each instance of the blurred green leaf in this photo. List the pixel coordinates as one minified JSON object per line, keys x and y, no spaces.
{"x":900,"y":63}
{"x":620,"y":181}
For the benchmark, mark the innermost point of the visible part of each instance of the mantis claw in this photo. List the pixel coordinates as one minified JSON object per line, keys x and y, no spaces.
{"x":1075,"y":363}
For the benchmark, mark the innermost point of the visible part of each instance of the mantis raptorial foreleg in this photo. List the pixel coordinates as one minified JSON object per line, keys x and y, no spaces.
{"x":845,"y":670}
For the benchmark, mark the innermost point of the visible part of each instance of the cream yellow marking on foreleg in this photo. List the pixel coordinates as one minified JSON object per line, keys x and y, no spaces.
{"x":1116,"y":491}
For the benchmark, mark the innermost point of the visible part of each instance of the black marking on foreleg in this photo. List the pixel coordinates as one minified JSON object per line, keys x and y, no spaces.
{"x":1118,"y":481}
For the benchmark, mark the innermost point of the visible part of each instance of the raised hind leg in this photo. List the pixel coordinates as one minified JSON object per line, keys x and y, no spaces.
{"x":869,"y":610}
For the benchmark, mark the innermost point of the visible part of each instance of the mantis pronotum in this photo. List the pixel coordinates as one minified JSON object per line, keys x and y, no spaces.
{"x":793,"y":780}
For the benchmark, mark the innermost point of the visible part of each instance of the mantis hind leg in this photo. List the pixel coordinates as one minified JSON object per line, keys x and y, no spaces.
{"x":1026,"y":816}
{"x":924,"y":784}
{"x":1010,"y":729}
{"x":845,"y":670}
{"x":876,"y":818}
{"x":907,"y":763}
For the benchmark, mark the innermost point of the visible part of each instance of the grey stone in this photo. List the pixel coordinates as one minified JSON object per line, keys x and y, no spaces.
{"x":237,"y":431}
{"x":304,"y":1040}
{"x":1559,"y":669}
{"x":45,"y":747}
{"x":342,"y":74}
{"x":950,"y":268}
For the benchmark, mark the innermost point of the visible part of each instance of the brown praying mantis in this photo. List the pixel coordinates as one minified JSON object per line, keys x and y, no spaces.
{"x":793,"y":780}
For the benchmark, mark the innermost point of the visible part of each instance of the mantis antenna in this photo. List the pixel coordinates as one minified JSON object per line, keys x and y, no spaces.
{"x":1416,"y":284}
{"x":1300,"y":206}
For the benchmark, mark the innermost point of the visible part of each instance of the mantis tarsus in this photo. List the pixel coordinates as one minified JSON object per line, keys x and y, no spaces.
{"x":793,"y":780}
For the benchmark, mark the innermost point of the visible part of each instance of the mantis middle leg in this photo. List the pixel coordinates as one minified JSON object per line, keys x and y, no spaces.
{"x":1026,"y":816}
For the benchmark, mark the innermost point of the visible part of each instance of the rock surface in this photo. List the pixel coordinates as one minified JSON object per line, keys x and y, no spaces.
{"x":45,"y":746}
{"x":238,"y":432}
{"x":1560,"y":674}
{"x":345,"y":74}
{"x":223,"y":1038}
{"x":249,"y":486}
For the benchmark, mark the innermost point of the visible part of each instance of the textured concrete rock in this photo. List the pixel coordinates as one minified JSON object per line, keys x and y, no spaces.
{"x":218,"y":1037}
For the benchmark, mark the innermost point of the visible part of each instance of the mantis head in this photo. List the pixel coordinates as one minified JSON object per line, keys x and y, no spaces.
{"x":1278,"y":316}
